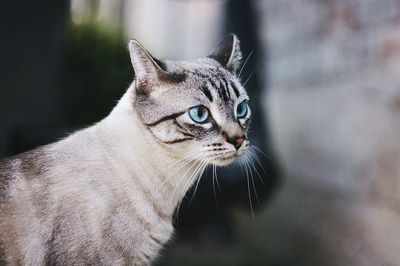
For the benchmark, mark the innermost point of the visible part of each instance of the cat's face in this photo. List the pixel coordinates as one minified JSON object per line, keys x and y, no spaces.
{"x":196,"y":110}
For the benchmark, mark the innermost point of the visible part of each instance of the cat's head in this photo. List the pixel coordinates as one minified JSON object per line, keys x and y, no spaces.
{"x":198,"y":109}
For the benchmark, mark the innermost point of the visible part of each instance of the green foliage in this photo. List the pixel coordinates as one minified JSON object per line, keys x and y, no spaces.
{"x":97,"y":72}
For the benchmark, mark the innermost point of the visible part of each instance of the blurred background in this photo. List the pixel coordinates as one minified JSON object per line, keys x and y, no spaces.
{"x":323,"y":76}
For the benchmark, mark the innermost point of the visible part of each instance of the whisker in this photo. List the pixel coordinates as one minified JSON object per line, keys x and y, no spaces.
{"x":213,"y":183}
{"x":254,"y":155}
{"x":186,"y":187}
{"x":187,"y":179}
{"x":255,"y":168}
{"x":245,"y":62}
{"x":263,"y":153}
{"x":252,"y":182}
{"x":185,"y":161}
{"x":216,"y":179}
{"x":190,"y":180}
{"x":251,"y":74}
{"x":198,"y":180}
{"x":196,"y":166}
{"x":185,"y":164}
{"x":188,"y":183}
{"x":249,"y":193}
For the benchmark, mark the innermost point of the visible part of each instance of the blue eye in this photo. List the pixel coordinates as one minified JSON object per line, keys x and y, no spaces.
{"x":242,"y":110}
{"x":199,"y":114}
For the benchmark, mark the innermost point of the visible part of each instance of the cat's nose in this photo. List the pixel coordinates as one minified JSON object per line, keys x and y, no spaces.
{"x":236,"y":141}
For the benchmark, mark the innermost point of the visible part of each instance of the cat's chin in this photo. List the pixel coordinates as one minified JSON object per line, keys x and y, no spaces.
{"x":225,"y":161}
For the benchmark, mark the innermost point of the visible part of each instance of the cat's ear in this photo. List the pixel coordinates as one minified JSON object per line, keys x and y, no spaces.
{"x":228,"y":53}
{"x":147,"y":69}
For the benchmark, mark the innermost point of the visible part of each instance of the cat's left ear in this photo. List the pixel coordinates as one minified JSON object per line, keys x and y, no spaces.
{"x":228,"y":53}
{"x":149,"y":71}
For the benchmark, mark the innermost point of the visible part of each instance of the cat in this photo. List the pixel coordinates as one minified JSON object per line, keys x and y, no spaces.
{"x":106,"y":195}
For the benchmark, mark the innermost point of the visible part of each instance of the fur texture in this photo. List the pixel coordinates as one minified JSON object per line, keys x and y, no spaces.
{"x":106,"y":194}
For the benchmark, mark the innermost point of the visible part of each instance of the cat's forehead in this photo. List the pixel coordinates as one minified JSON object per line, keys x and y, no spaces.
{"x":211,"y":79}
{"x":204,"y":68}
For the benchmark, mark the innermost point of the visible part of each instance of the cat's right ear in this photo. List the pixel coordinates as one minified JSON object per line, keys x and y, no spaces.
{"x":147,"y":70}
{"x":228,"y":53}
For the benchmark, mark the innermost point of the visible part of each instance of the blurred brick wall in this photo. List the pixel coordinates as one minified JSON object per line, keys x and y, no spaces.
{"x":333,"y":103}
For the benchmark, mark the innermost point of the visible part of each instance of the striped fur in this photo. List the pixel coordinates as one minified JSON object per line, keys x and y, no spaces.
{"x":106,"y":194}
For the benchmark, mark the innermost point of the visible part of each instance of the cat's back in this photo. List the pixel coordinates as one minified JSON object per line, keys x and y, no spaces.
{"x":40,"y":190}
{"x":26,"y":178}
{"x":20,"y":198}
{"x":23,"y":167}
{"x":5,"y":176}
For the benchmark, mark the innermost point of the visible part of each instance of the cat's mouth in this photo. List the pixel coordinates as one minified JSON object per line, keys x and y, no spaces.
{"x":226,"y":157}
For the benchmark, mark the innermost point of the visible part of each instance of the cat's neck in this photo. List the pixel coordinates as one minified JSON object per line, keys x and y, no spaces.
{"x":137,"y":151}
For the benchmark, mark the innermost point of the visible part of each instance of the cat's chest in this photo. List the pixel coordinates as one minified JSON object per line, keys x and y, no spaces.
{"x":137,"y":223}
{"x":140,"y":237}
{"x":114,"y":216}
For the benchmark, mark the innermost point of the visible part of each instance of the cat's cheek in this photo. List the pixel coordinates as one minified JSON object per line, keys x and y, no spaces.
{"x":244,"y":123}
{"x":160,"y":133}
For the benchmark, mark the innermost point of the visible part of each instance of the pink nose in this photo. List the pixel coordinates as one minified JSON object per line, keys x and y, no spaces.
{"x":236,"y":141}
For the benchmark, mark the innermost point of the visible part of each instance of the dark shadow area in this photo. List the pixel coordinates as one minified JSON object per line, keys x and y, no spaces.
{"x":32,"y":62}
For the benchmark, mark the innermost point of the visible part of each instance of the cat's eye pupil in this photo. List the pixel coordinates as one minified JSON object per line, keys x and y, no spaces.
{"x":199,"y":114}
